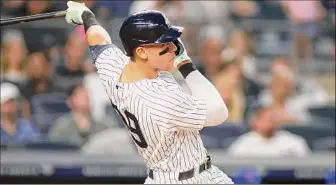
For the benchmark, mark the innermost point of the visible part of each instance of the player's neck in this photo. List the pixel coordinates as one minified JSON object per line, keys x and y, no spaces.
{"x":139,"y":70}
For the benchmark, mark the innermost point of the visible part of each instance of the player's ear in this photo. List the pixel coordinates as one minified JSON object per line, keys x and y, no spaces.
{"x":141,"y":52}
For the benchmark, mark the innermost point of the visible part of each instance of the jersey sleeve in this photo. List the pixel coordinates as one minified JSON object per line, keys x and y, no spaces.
{"x":109,"y":60}
{"x":178,"y":110}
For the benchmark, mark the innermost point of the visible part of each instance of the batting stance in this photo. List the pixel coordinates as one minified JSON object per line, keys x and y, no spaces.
{"x":163,"y":120}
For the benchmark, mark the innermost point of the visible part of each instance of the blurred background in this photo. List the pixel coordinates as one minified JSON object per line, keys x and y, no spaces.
{"x":273,"y":62}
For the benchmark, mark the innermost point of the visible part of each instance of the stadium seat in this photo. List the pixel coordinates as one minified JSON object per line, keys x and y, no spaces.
{"x":50,"y":102}
{"x":220,"y":137}
{"x":45,"y":120}
{"x":324,"y":144}
{"x":226,"y":143}
{"x":323,"y":112}
{"x":47,"y":108}
{"x":311,"y":132}
{"x":323,"y":120}
{"x":246,"y":176}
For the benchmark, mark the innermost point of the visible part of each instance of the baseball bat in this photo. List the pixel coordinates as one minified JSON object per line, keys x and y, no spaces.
{"x":29,"y":18}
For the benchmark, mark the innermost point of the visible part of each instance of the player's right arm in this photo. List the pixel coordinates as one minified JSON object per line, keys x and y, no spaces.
{"x":201,"y":88}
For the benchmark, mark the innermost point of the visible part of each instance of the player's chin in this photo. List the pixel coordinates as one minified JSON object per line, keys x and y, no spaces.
{"x":171,"y":68}
{"x":169,"y":65}
{"x":167,"y":68}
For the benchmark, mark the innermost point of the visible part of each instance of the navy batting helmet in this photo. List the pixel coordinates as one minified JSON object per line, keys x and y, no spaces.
{"x":147,"y":27}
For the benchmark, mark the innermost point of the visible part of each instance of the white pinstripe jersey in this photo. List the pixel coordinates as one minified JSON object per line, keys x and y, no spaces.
{"x":163,"y":120}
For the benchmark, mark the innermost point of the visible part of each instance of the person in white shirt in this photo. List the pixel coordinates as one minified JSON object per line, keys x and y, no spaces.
{"x":266,"y":139}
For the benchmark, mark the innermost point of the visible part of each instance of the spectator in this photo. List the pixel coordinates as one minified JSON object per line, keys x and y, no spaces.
{"x":25,"y":108}
{"x":244,"y":10}
{"x":243,"y":45}
{"x":76,"y":126}
{"x":229,"y":85}
{"x":13,"y":8}
{"x":238,"y":91}
{"x":282,"y":86}
{"x":68,"y":70}
{"x":270,"y":10}
{"x":330,"y":7}
{"x":185,"y":12}
{"x":266,"y":140}
{"x":330,"y":20}
{"x":218,"y":11}
{"x":290,"y":96}
{"x":115,"y":9}
{"x":13,"y":57}
{"x":39,"y":72}
{"x":212,"y":45}
{"x":97,"y":93}
{"x":14,"y":130}
{"x":177,"y":11}
{"x":305,"y":16}
{"x":37,"y":7}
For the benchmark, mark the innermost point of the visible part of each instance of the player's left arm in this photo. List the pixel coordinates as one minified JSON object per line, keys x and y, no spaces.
{"x":107,"y":57}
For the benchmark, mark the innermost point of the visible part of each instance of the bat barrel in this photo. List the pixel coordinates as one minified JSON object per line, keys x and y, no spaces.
{"x":29,"y":18}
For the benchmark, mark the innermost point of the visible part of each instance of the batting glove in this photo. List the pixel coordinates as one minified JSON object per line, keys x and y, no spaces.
{"x":181,"y":53}
{"x":74,"y":12}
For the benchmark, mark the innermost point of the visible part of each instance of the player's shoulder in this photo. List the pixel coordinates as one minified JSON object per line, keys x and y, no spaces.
{"x":159,"y":91}
{"x":164,"y":83}
{"x":157,"y":87}
{"x":107,"y":51}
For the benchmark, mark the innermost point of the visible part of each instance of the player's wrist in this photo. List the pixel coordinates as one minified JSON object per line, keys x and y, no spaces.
{"x":186,"y":68}
{"x":182,"y":63}
{"x":89,"y":19}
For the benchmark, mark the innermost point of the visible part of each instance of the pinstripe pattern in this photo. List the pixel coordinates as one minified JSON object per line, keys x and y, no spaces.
{"x":169,"y":119}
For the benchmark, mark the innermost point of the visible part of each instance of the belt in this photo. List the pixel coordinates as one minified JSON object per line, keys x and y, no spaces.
{"x":190,"y":173}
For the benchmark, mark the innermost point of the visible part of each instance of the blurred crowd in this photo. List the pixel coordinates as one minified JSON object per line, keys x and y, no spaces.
{"x":51,"y":93}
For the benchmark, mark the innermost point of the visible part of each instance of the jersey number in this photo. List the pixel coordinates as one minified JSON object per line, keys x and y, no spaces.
{"x":141,"y":142}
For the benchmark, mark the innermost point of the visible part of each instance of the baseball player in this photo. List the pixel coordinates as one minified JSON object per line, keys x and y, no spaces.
{"x":163,"y":120}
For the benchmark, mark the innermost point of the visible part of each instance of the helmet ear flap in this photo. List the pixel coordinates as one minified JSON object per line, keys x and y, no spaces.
{"x":178,"y":47}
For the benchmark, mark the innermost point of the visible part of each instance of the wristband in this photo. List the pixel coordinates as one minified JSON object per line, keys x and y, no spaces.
{"x":89,"y":20}
{"x":187,"y":68}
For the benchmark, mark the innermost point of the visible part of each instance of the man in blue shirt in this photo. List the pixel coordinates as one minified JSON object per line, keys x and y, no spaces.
{"x":13,"y":129}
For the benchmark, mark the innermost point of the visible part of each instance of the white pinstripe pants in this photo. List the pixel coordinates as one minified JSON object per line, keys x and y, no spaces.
{"x":212,"y":175}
